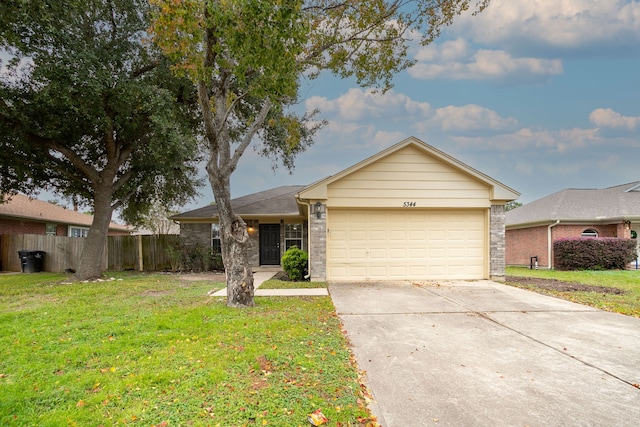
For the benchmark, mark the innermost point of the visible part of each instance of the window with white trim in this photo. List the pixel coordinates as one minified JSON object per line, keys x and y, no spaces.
{"x":78,"y":231}
{"x":216,"y":244}
{"x":589,"y":232}
{"x":292,"y":235}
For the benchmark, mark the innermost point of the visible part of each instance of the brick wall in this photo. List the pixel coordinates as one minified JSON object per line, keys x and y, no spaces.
{"x":318,"y":247}
{"x":496,"y":245}
{"x":567,"y":230}
{"x":12,"y":226}
{"x":253,"y":245}
{"x":523,"y":243}
{"x":196,"y":234}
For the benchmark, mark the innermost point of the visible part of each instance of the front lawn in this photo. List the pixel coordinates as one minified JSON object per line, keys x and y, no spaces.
{"x":611,"y":290}
{"x":288,"y":284}
{"x":153,"y":350}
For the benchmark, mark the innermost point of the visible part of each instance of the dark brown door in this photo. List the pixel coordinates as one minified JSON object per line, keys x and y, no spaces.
{"x":269,"y":244}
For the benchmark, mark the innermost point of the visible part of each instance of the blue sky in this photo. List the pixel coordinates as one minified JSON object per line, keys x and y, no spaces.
{"x":540,"y":94}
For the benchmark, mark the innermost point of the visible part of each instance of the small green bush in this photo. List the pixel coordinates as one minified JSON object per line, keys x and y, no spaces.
{"x":295,"y":263}
{"x":587,"y":253}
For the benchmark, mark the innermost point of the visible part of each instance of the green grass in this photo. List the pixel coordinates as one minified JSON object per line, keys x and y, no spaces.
{"x":627,"y":280}
{"x":284,"y":284}
{"x":154,"y":350}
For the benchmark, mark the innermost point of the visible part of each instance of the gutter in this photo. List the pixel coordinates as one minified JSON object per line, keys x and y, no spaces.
{"x":550,"y":243}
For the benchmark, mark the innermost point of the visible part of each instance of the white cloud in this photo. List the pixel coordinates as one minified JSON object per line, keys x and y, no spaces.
{"x":560,"y":141}
{"x":607,"y":118}
{"x":456,"y":60}
{"x":470,"y":117}
{"x":349,"y":112}
{"x":556,"y":23}
{"x":383,"y":139}
{"x":360,"y":104}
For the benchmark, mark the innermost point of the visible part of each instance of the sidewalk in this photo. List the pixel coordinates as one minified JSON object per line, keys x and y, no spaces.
{"x":262,"y":276}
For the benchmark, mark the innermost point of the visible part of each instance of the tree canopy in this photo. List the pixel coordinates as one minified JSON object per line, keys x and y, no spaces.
{"x":89,"y":109}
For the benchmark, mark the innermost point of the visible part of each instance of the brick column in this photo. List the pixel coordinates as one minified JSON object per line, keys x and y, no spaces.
{"x":496,"y":251}
{"x":318,"y":247}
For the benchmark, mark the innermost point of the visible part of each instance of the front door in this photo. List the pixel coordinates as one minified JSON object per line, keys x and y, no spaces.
{"x":269,"y":244}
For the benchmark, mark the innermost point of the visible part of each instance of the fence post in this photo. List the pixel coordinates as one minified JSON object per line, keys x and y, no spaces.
{"x":140,"y":257}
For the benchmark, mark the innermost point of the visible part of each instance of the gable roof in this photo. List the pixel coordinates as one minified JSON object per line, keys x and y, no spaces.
{"x":618,"y":203}
{"x":279,"y":201}
{"x":19,"y":206}
{"x":499,"y":191}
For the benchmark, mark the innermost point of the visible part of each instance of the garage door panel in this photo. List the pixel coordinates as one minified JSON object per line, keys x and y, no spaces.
{"x":418,"y":235}
{"x":357,"y":235}
{"x":397,"y":254}
{"x":417,"y":271}
{"x":378,"y":254}
{"x":400,"y":245}
{"x":357,"y":254}
{"x":378,"y":235}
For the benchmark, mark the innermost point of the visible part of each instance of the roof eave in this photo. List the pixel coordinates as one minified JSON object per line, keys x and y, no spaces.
{"x":603,"y":221}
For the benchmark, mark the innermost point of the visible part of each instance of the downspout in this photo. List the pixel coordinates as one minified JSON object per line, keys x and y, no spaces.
{"x":550,"y":244}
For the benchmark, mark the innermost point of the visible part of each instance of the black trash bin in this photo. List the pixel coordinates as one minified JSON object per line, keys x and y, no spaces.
{"x":31,"y":261}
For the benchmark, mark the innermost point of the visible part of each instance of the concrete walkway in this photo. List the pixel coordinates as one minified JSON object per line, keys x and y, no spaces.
{"x":486,"y":354}
{"x":262,"y":276}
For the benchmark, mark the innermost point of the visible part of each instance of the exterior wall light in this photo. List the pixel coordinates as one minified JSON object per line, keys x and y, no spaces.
{"x":627,"y":225}
{"x":318,"y":209}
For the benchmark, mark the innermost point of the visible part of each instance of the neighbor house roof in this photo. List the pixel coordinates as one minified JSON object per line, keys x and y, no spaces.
{"x":19,"y":206}
{"x":278,"y":201}
{"x":612,"y":204}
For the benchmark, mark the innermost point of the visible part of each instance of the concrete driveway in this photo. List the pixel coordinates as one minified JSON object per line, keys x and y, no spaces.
{"x":485,"y":354}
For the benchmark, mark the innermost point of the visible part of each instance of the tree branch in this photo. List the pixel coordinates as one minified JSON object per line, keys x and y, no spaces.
{"x":246,"y":140}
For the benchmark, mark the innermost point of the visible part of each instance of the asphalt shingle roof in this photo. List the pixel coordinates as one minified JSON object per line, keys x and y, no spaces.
{"x":276,"y":201}
{"x":20,"y":206}
{"x":619,"y":202}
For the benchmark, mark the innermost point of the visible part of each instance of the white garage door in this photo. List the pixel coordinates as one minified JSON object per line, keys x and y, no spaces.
{"x":405,"y":245}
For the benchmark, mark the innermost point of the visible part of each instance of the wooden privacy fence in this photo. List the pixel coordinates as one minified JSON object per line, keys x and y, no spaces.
{"x":122,"y":252}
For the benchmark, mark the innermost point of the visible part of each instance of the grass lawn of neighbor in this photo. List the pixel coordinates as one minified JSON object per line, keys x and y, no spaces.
{"x":610,"y":290}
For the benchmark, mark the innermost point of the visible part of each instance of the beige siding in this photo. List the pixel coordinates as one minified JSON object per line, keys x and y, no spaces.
{"x":408,"y":175}
{"x":397,"y":244}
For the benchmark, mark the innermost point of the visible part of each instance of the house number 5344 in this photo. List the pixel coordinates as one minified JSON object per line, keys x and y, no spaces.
{"x":409,"y":205}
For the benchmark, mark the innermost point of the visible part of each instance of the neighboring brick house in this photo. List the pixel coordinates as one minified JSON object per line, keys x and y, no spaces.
{"x":410,"y":212}
{"x":531,"y":229}
{"x":20,"y":214}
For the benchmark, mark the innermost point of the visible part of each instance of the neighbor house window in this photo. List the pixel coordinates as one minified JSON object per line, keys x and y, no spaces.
{"x":589,"y":233}
{"x":78,"y":232}
{"x":292,"y":235}
{"x":51,"y":230}
{"x":216,"y":245}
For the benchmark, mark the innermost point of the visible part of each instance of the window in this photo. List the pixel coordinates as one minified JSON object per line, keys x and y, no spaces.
{"x":51,"y":230}
{"x":589,"y":233}
{"x":78,"y":231}
{"x":292,"y":235}
{"x":216,"y":245}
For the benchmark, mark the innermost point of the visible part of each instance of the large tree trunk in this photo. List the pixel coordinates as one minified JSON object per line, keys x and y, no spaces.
{"x":90,"y":266}
{"x":234,"y":236}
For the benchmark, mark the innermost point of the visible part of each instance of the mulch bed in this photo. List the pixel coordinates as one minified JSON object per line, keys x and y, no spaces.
{"x":560,"y":286}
